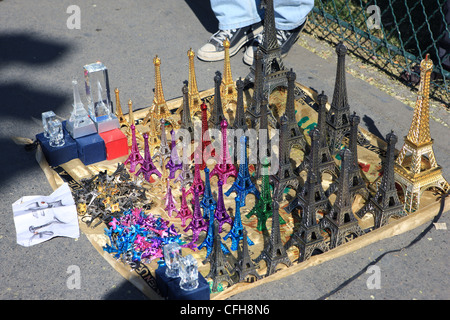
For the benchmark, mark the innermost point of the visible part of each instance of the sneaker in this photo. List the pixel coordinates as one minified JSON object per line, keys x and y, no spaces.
{"x":286,"y":38}
{"x":213,"y":50}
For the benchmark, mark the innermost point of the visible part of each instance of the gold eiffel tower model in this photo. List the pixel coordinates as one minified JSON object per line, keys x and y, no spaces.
{"x":130,"y":122}
{"x":119,"y":113}
{"x":416,"y":168}
{"x":194,"y":97}
{"x":227,"y":87}
{"x":159,"y":109}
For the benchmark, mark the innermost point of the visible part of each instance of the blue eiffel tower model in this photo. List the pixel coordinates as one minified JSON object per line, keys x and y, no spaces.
{"x":236,"y":232}
{"x":209,"y":240}
{"x":208,"y":202}
{"x":243,"y":185}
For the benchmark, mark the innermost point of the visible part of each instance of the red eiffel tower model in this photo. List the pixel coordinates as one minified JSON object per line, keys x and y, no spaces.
{"x":135,"y":157}
{"x":221,"y":214}
{"x":184,"y":213}
{"x":225,"y":167}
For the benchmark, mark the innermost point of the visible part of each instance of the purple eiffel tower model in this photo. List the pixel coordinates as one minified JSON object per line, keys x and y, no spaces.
{"x":225,"y":167}
{"x":236,"y":232}
{"x":243,"y":184}
{"x":208,"y":202}
{"x":197,"y":223}
{"x":197,"y":184}
{"x":174,"y":164}
{"x":221,"y":214}
{"x":135,"y":157}
{"x":184,"y":213}
{"x":147,"y":167}
{"x":170,"y":201}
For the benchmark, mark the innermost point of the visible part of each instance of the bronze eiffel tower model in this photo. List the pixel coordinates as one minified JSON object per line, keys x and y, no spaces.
{"x":285,"y":177}
{"x":338,"y":116}
{"x":341,"y":220}
{"x":311,"y":198}
{"x":325,"y":162}
{"x":220,"y":269}
{"x":245,"y":266}
{"x":274,"y":253}
{"x":385,"y":203}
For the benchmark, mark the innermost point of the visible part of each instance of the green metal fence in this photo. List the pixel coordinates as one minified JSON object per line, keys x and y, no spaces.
{"x":395,"y":35}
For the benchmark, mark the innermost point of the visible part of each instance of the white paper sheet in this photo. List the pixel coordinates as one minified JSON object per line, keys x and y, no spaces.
{"x":40,"y":218}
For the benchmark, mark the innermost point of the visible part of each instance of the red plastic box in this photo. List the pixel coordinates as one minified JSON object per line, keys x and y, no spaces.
{"x":116,"y":143}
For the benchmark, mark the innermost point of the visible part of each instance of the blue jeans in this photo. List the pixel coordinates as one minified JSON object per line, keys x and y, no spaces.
{"x":233,"y":14}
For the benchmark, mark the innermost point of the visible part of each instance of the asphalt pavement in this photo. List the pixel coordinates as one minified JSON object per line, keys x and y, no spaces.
{"x":39,"y":56}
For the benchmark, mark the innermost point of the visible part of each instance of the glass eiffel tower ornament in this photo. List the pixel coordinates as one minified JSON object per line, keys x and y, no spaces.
{"x":79,"y":124}
{"x":46,"y":118}
{"x":101,"y":114}
{"x":93,"y":74}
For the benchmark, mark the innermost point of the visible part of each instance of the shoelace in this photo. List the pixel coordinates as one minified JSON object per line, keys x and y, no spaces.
{"x":282,"y":36}
{"x":221,"y":35}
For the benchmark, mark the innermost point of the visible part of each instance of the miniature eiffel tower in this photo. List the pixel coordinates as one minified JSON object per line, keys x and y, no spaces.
{"x":295,"y":133}
{"x":341,"y":220}
{"x":208,"y":242}
{"x":325,"y":162}
{"x":227,"y":87}
{"x":225,"y":167}
{"x":416,"y":168}
{"x":263,"y":206}
{"x":310,"y":198}
{"x":357,"y":183}
{"x":243,"y":184}
{"x":220,"y":269}
{"x":197,"y":223}
{"x":147,"y":167}
{"x":217,"y":115}
{"x":184,"y":213}
{"x":221,"y":215}
{"x":264,"y":150}
{"x":199,"y":152}
{"x":119,"y":113}
{"x":274,"y":253}
{"x":239,"y":117}
{"x":186,"y":120}
{"x":170,"y":204}
{"x":197,"y":183}
{"x":186,"y":176}
{"x":236,"y":233}
{"x":245,"y":266}
{"x":194,"y":96}
{"x":164,"y":151}
{"x":159,"y":109}
{"x":134,"y":157}
{"x":385,"y":203}
{"x":285,"y":177}
{"x":253,"y":111}
{"x":311,"y":195}
{"x":153,"y":139}
{"x":208,"y":202}
{"x":174,"y":163}
{"x":338,"y":117}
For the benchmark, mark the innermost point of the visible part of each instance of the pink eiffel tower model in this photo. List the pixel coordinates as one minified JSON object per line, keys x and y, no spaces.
{"x":135,"y":157}
{"x":147,"y":167}
{"x":221,"y":214}
{"x":198,"y":183}
{"x":197,"y":224}
{"x":184,"y":213}
{"x":225,"y":167}
{"x":170,"y":201}
{"x":174,"y":164}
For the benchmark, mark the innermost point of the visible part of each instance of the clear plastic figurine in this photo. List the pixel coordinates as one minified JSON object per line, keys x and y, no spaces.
{"x":188,"y":273}
{"x":172,"y":256}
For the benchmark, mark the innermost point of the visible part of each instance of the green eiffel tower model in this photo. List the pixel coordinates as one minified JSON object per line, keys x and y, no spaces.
{"x":263,"y":206}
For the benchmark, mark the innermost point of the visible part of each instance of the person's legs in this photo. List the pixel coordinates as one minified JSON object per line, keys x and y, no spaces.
{"x":239,"y":22}
{"x":290,"y":18}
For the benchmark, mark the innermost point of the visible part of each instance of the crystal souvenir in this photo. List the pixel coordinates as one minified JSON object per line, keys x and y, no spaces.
{"x":56,"y":133}
{"x":79,"y":123}
{"x":172,"y":255}
{"x":188,"y":273}
{"x":46,"y":117}
{"x":93,"y":74}
{"x":101,"y":114}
